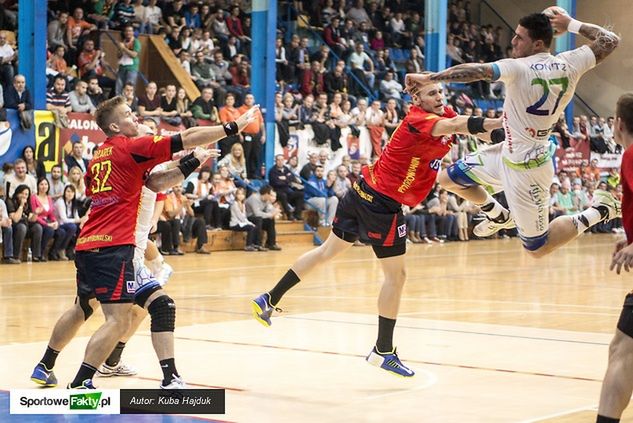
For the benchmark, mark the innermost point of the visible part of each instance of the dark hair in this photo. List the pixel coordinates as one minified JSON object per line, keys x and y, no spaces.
{"x":24,"y":151}
{"x":539,"y":27}
{"x":624,"y":110}
{"x":204,"y":169}
{"x":47,"y":183}
{"x":73,"y":203}
{"x":266,"y":189}
{"x":19,"y":189}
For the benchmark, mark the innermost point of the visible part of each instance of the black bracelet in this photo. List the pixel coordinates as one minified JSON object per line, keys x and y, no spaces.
{"x":230,"y":128}
{"x":497,"y":135}
{"x":189,"y":156}
{"x":476,"y":124}
{"x":187,"y":167}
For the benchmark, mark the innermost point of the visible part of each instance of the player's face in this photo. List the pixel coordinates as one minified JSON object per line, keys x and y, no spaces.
{"x":431,"y":98}
{"x":522,"y":44}
{"x":125,"y":123}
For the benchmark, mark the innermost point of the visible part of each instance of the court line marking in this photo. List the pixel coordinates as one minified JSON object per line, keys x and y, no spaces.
{"x":486,"y":311}
{"x":560,"y":414}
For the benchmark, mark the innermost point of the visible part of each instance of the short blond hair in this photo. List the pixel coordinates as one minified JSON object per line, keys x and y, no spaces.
{"x":105,"y":112}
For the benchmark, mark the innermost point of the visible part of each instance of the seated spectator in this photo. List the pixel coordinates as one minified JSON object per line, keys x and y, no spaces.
{"x":149,"y":103}
{"x":354,"y":174}
{"x":336,"y":81}
{"x":19,"y":177}
{"x":154,"y":16}
{"x":203,"y":75}
{"x":76,"y":179}
{"x":308,"y":169}
{"x":191,"y":226}
{"x":613,"y":179}
{"x":323,"y":126}
{"x":579,"y":198}
{"x":220,"y":69}
{"x":58,"y":102}
{"x":363,"y":68}
{"x":234,"y":24}
{"x":192,"y":16}
{"x":555,"y":209}
{"x":175,"y":14}
{"x":564,"y":199}
{"x":168,"y":226}
{"x":24,"y":223}
{"x":95,"y":92}
{"x":445,"y":221}
{"x":173,"y":40}
{"x":78,"y":30}
{"x":56,"y":184}
{"x":224,"y":190}
{"x":183,"y":108}
{"x":56,"y":64}
{"x":130,"y":97}
{"x":416,"y":224}
{"x":288,"y":187}
{"x":357,"y":13}
{"x":7,"y":57}
{"x":594,"y":170}
{"x":67,"y":214}
{"x":312,"y":81}
{"x":240,"y":223}
{"x":124,"y":14}
{"x":18,"y":97}
{"x":220,"y":29}
{"x":319,"y":195}
{"x":260,"y":211}
{"x":57,"y":30}
{"x":79,"y":100}
{"x":7,"y":232}
{"x":200,"y":192}
{"x":101,"y":12}
{"x":34,"y":167}
{"x":342,"y":184}
{"x":390,"y":88}
{"x":44,"y":210}
{"x":76,"y":158}
{"x":235,"y":162}
{"x":168,"y":105}
{"x":203,"y":107}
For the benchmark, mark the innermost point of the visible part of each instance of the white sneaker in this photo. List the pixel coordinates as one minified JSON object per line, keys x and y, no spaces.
{"x":176,"y":383}
{"x":120,"y":369}
{"x":164,"y":274}
{"x":604,"y":198}
{"x":488,"y":227}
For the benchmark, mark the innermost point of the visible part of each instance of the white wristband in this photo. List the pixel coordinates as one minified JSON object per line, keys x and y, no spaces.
{"x":574,"y":26}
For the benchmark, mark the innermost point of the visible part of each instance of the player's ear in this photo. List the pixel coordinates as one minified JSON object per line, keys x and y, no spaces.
{"x":114,"y":128}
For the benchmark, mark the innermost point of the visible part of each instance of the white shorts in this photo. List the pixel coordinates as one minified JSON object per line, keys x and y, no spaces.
{"x":526,"y":189}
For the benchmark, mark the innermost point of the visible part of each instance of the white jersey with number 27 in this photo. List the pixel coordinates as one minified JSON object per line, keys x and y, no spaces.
{"x":538,"y":88}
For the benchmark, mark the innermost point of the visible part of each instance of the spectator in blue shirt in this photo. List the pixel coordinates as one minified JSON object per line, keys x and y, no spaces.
{"x":319,"y":194}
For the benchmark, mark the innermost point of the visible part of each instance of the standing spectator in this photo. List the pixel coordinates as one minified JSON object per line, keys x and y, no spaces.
{"x":7,"y":56}
{"x":7,"y":233}
{"x":288,"y":187}
{"x":319,"y":194}
{"x":24,"y":222}
{"x":281,"y":61}
{"x":76,"y":159}
{"x":203,"y":107}
{"x":34,"y":167}
{"x":254,"y":137}
{"x":168,"y":105}
{"x":240,"y":223}
{"x":375,"y":120}
{"x":229,"y":113}
{"x":129,"y":51}
{"x":78,"y":29}
{"x":149,"y":104}
{"x":58,"y":31}
{"x":42,"y":206}
{"x":19,"y":177}
{"x":79,"y":100}
{"x":55,"y":182}
{"x":260,"y":211}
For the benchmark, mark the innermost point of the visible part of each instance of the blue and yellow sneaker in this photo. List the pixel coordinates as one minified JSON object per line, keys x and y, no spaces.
{"x":389,"y":362}
{"x":262,"y":309}
{"x":42,"y":376}
{"x":86,"y":384}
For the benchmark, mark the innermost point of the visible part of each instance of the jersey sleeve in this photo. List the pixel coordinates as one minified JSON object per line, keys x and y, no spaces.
{"x":424,"y":123}
{"x":581,"y":59}
{"x":506,"y":70}
{"x":148,"y":151}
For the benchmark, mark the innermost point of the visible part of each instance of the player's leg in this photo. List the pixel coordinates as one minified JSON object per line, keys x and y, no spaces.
{"x":384,"y":354}
{"x":617,"y":385}
{"x":156,"y":263}
{"x":473,"y":179}
{"x":113,"y":365}
{"x":64,"y":331}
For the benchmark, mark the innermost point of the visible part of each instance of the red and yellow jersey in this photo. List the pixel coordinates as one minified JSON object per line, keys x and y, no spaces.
{"x":407,"y":168}
{"x":114,"y":179}
{"x":626,"y":176}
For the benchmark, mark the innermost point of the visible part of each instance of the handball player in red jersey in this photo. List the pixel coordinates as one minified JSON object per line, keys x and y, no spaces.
{"x":372,"y":211}
{"x":105,"y":247}
{"x":617,"y":386}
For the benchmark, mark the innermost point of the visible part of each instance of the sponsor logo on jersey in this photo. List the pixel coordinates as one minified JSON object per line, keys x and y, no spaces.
{"x":158,"y":138}
{"x":435,"y":164}
{"x":402,"y":231}
{"x":410,"y":178}
{"x":374,"y":235}
{"x":538,"y":133}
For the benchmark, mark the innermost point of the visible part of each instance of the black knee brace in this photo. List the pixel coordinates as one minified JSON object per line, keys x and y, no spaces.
{"x":163,"y":312}
{"x":84,"y":303}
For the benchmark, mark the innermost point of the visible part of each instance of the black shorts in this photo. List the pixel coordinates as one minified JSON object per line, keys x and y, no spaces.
{"x":105,"y":273}
{"x":625,"y":323}
{"x":373,"y":218}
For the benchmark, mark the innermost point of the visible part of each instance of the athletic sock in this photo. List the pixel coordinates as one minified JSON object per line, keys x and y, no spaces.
{"x":168,"y":366}
{"x":289,"y":280}
{"x":384,"y":343}
{"x":86,"y":371}
{"x":115,"y":355}
{"x":155,"y":265}
{"x":49,"y":358}
{"x":603,"y":419}
{"x":587,"y":219}
{"x":495,"y":211}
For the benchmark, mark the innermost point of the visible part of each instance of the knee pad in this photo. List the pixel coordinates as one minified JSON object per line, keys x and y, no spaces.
{"x":163,"y":312}
{"x":84,"y":303}
{"x":457,"y":172}
{"x":534,"y":243}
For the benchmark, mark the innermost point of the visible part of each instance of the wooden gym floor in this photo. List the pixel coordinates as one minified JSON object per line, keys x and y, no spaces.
{"x":493,"y":335}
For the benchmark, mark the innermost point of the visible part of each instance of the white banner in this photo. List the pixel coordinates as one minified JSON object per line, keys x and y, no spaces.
{"x":65,"y":401}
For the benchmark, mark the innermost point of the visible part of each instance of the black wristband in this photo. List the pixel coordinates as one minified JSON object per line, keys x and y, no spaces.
{"x":476,"y":124}
{"x":189,"y":156}
{"x":230,"y":128}
{"x":176,"y":143}
{"x":497,"y":135}
{"x":188,"y":166}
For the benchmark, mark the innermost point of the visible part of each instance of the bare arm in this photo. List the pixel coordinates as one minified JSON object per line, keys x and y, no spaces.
{"x":172,"y":175}
{"x":603,"y":41}
{"x":459,"y":125}
{"x":467,"y":72}
{"x":203,"y":135}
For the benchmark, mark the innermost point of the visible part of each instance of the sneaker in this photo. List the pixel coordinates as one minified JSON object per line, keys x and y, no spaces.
{"x":176,"y":383}
{"x":86,"y":384}
{"x":438,"y":240}
{"x":164,"y":274}
{"x":261,"y":248}
{"x":202,"y":250}
{"x":603,"y":198}
{"x":250,"y":248}
{"x":489,"y":227}
{"x":119,"y":370}
{"x":262,"y":309}
{"x":274,"y":247}
{"x":389,"y":362}
{"x":42,"y":376}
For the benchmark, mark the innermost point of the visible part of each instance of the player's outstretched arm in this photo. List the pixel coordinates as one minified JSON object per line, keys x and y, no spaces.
{"x":603,"y":41}
{"x":204,"y":135}
{"x":467,"y":72}
{"x":465,"y":125}
{"x":176,"y":170}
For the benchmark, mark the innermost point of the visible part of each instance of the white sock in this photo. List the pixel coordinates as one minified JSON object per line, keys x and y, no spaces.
{"x":492,"y":208}
{"x":155,"y":265}
{"x":586,"y":219}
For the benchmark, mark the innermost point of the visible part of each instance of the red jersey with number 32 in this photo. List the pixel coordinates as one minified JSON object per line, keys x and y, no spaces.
{"x":407,"y":168}
{"x":114,"y":179}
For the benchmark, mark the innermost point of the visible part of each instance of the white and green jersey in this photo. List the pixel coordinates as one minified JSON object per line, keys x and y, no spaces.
{"x":538,"y":88}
